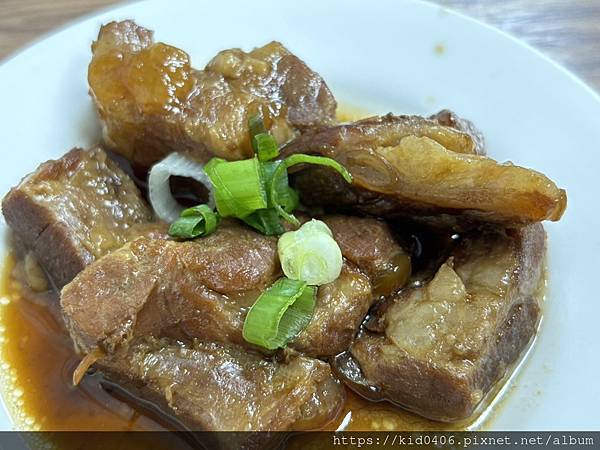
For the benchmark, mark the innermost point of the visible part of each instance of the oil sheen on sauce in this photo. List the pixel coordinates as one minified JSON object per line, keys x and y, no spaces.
{"x":37,"y":360}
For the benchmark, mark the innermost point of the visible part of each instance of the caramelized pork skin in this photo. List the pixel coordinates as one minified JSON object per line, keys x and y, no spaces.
{"x":410,"y":166}
{"x":152,"y":102}
{"x":216,"y":387}
{"x":75,"y":209}
{"x":444,"y":345}
{"x":204,"y":288}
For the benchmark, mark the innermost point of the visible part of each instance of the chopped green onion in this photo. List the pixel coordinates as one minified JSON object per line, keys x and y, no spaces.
{"x":256,"y":125}
{"x":286,"y":196}
{"x":265,"y":146}
{"x":279,"y":314}
{"x":266,"y":221}
{"x":194,"y":222}
{"x":263,"y":143}
{"x":238,"y":186}
{"x":288,"y":199}
{"x":257,"y":190}
{"x":163,"y":203}
{"x":310,"y":254}
{"x":277,"y":192}
{"x":278,"y":195}
{"x":301,"y":158}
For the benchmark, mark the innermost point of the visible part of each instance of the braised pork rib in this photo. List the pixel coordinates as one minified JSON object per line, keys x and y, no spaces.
{"x":73,"y":210}
{"x":445,"y":344}
{"x":152,"y":102}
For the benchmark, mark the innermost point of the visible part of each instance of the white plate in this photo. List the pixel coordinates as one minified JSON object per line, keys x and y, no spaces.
{"x":380,"y":55}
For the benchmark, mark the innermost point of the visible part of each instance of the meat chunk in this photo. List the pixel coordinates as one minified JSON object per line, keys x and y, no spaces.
{"x":371,"y":245}
{"x":152,"y":102}
{"x":214,"y":387}
{"x":409,"y":166}
{"x":73,"y":210}
{"x":199,"y":289}
{"x":340,"y":308}
{"x":203,"y":289}
{"x":447,"y":343}
{"x":380,"y":132}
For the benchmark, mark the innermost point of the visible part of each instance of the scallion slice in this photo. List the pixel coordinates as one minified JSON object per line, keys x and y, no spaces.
{"x":159,"y":190}
{"x":256,"y":125}
{"x":265,"y":146}
{"x":239,"y":187}
{"x":301,"y":158}
{"x":279,"y":314}
{"x":194,"y":222}
{"x":279,"y":196}
{"x":310,"y":254}
{"x":285,"y":195}
{"x":266,"y":221}
{"x":263,"y":143}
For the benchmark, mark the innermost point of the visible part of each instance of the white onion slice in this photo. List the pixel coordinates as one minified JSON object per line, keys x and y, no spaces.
{"x":164,"y":204}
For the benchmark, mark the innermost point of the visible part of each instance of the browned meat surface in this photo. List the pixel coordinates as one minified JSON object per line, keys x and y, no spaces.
{"x":409,"y":166}
{"x":212,"y":387}
{"x":370,"y":244}
{"x":341,"y":306}
{"x":203,"y":289}
{"x":450,"y":119}
{"x":75,"y":209}
{"x":152,"y":102}
{"x":199,"y":288}
{"x":447,"y":343}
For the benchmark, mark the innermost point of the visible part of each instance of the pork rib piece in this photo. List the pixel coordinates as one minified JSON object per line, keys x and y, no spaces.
{"x":152,"y":102}
{"x":370,"y":244}
{"x":74,"y":210}
{"x":204,"y":288}
{"x":447,"y":343}
{"x":415,"y":167}
{"x":197,"y":288}
{"x":215,"y":387}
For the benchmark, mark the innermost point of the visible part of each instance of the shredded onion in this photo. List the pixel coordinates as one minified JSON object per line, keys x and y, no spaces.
{"x":164,"y":204}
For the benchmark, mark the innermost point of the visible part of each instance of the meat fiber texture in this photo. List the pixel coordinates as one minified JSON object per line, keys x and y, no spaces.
{"x":152,"y":102}
{"x":73,"y":210}
{"x":203,"y":288}
{"x":445,"y":344}
{"x":216,"y":387}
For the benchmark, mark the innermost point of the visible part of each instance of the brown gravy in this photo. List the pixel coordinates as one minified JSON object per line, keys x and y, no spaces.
{"x":40,"y":353}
